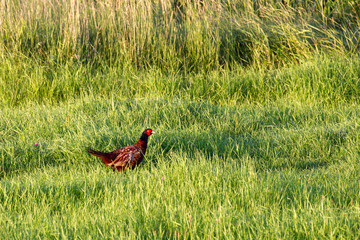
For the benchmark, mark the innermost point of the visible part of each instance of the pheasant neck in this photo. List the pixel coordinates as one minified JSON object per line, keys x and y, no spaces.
{"x":144,"y":138}
{"x":142,"y":143}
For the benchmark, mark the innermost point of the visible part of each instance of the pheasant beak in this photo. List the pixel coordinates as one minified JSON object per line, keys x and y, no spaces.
{"x":152,"y":132}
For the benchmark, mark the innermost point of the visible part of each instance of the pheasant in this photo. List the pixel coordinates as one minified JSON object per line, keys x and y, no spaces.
{"x":129,"y":156}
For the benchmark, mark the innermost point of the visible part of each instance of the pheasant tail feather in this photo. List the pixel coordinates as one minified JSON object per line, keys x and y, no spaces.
{"x":104,"y":156}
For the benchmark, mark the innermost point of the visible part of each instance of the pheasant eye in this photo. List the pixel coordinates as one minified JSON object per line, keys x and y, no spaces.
{"x":148,"y":132}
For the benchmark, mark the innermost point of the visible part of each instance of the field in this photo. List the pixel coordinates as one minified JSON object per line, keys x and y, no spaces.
{"x":255,"y":107}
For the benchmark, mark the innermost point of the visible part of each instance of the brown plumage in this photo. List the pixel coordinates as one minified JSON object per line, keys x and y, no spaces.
{"x":125,"y":157}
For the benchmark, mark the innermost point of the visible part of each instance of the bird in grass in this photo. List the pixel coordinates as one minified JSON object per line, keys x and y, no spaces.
{"x":126,"y":157}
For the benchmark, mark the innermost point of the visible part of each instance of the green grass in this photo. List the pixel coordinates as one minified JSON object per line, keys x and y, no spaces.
{"x":325,"y":79}
{"x":199,"y":197}
{"x":277,"y":170}
{"x":255,"y":105}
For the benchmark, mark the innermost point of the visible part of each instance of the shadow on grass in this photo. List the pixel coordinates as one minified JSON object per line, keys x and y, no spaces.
{"x":27,"y":158}
{"x":267,"y":152}
{"x":274,"y":138}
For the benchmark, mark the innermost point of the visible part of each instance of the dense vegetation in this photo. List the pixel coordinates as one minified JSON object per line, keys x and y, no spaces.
{"x":255,"y":105}
{"x":176,"y":35}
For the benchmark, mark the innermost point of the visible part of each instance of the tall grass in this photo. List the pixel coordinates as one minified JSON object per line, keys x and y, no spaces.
{"x":178,"y":34}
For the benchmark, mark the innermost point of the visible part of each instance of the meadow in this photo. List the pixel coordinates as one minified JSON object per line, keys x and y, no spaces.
{"x":255,"y":105}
